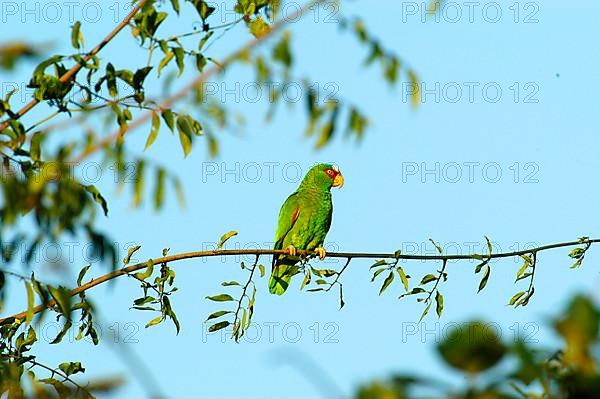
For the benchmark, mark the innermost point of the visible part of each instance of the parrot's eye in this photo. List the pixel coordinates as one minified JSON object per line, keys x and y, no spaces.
{"x":329,"y":172}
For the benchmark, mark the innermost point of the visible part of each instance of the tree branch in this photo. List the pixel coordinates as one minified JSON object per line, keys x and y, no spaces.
{"x":259,"y":252}
{"x":70,"y":75}
{"x":34,"y":363}
{"x":196,"y":83}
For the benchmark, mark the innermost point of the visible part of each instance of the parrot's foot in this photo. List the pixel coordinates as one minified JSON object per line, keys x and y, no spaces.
{"x":321,"y":252}
{"x":291,"y":250}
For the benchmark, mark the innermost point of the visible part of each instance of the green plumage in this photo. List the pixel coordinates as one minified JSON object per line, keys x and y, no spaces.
{"x":304,"y":220}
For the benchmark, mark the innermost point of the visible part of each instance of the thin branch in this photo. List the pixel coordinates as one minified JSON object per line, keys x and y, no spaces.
{"x":257,"y":252}
{"x":53,"y":371}
{"x":338,"y":275}
{"x":244,"y":295}
{"x":70,"y":75}
{"x":437,"y":281}
{"x":196,"y":83}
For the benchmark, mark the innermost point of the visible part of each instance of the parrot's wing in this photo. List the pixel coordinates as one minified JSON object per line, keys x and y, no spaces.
{"x":288,"y":215}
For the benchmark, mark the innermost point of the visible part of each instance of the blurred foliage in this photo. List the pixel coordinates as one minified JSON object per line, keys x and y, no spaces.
{"x":12,"y":52}
{"x":493,"y":369}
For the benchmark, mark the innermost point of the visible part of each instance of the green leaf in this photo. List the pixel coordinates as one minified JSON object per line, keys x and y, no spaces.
{"x":70,"y":368}
{"x":130,"y":253}
{"x":306,"y":280}
{"x":30,"y":302}
{"x":576,"y":264}
{"x":41,"y":67}
{"x":226,"y":237}
{"x":524,"y":276}
{"x":218,"y":314}
{"x":377,"y":273}
{"x":62,"y":296}
{"x":261,"y":268}
{"x":76,"y":36}
{"x":168,"y":310}
{"x":204,"y":9}
{"x":525,"y":299}
{"x":481,"y":265}
{"x":576,"y":253}
{"x":185,"y":134}
{"x":61,"y":389}
{"x":416,"y":95}
{"x":218,"y":326}
{"x":439,"y":303}
{"x":489,"y":245}
{"x":473,"y":350}
{"x":147,"y":273}
{"x":378,"y":263}
{"x":35,"y":148}
{"x":82,"y":273}
{"x":159,"y":191}
{"x":522,"y":270}
{"x":414,"y":291}
{"x":165,"y":61}
{"x":138,"y":183}
{"x":484,"y":279}
{"x":144,"y":300}
{"x":386,"y":283}
{"x":62,"y":332}
{"x":425,"y":312}
{"x":205,"y":39}
{"x":111,"y":80}
{"x":258,"y":27}
{"x":229,"y":283}
{"x":428,"y":279}
{"x":220,"y":298}
{"x":516,"y":297}
{"x":282,"y":52}
{"x":323,"y":272}
{"x":179,"y":59}
{"x":155,"y":321}
{"x":403,"y":277}
{"x":97,"y":197}
{"x":169,"y":118}
{"x":200,"y":62}
{"x":175,"y":5}
{"x":139,"y":76}
{"x":153,"y":131}
{"x":437,"y":247}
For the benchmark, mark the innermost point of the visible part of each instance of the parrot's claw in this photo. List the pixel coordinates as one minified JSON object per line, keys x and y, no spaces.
{"x":321,"y":252}
{"x":291,"y":250}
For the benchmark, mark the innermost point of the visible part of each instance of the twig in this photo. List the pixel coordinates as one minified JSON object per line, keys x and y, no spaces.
{"x":244,"y":289}
{"x":70,"y":75}
{"x":257,"y":252}
{"x":338,"y":275}
{"x":35,"y":363}
{"x":437,"y":281}
{"x":166,"y":103}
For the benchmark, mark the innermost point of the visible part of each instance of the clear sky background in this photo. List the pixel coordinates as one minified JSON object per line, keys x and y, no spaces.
{"x":520,"y":169}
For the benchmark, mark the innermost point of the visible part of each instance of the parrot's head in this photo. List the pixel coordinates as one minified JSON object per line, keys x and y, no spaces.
{"x":324,"y":176}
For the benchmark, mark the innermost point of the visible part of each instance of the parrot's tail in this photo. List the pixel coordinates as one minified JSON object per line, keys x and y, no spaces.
{"x":280,"y":279}
{"x":284,"y":268}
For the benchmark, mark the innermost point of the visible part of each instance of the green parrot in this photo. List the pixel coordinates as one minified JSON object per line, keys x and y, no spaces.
{"x":304,"y":220}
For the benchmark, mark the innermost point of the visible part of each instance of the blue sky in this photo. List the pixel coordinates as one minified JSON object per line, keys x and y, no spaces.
{"x":517,"y":169}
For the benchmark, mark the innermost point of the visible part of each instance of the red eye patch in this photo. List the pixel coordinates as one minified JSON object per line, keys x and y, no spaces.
{"x":331,"y":173}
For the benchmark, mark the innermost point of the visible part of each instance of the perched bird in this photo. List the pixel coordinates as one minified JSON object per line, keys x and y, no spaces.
{"x":304,"y":220}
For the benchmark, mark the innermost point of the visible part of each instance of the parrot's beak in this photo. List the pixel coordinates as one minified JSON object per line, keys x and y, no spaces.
{"x":338,"y":181}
